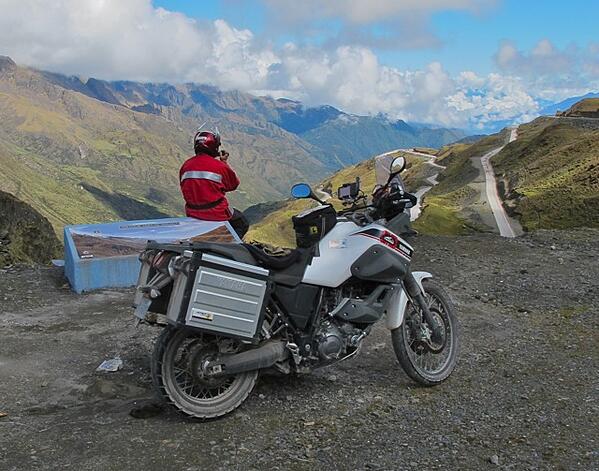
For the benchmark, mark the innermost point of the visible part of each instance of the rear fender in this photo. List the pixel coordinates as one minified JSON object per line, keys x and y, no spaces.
{"x":396,"y":308}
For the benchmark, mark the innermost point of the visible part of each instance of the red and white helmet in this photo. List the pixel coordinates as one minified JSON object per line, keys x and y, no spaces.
{"x":206,"y":142}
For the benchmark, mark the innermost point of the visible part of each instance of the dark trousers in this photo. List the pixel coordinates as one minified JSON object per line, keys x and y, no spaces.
{"x":240,"y":223}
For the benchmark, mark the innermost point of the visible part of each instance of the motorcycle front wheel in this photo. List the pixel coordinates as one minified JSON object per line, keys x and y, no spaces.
{"x":423,"y":360}
{"x":176,"y":374}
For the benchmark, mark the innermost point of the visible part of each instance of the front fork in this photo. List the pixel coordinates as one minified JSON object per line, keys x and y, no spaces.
{"x":417,"y":294}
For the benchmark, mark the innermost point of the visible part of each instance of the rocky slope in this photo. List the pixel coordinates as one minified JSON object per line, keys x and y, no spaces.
{"x":25,"y":235}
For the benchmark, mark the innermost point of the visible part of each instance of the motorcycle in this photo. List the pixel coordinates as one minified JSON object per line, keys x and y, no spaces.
{"x":232,"y":310}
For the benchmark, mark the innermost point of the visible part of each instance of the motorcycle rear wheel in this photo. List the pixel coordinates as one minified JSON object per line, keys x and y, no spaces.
{"x":176,"y":381}
{"x":428,"y":366}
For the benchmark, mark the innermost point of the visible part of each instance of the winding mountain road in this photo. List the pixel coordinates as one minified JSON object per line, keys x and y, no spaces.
{"x":416,"y":210}
{"x":501,"y":218}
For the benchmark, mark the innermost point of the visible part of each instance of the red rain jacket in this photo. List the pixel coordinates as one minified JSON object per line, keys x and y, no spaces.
{"x":204,"y":181}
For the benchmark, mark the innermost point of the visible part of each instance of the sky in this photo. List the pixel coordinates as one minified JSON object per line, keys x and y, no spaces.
{"x":459,"y":63}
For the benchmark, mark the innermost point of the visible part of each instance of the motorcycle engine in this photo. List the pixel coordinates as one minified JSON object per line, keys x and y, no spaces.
{"x":330,"y":341}
{"x":336,"y":339}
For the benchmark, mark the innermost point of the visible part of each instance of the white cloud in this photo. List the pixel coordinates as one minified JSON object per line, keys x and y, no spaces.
{"x":116,"y":39}
{"x":550,"y":72}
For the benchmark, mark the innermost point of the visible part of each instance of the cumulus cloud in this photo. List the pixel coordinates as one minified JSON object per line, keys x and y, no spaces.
{"x":552,"y":72}
{"x":116,"y":39}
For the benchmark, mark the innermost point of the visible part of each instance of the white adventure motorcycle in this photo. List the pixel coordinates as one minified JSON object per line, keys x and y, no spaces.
{"x":232,"y":309}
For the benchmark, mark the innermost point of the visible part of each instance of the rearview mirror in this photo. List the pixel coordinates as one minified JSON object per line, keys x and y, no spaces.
{"x":301,"y":190}
{"x":398,"y":165}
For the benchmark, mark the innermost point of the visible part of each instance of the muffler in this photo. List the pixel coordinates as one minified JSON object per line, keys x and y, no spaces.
{"x":256,"y":359}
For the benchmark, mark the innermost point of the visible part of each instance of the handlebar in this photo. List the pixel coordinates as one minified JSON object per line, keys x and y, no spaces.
{"x":356,"y":215}
{"x":386,"y":205}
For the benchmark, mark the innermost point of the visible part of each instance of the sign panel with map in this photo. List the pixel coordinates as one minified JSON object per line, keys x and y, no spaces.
{"x":130,"y":237}
{"x":106,"y":255}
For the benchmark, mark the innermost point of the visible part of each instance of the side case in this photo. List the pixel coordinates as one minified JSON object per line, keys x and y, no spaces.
{"x":221,"y":296}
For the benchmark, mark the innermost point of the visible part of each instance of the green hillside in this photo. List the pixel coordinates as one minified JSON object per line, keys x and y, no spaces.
{"x":446,"y":209}
{"x":550,"y":175}
{"x":276,"y":228}
{"x":76,"y":159}
{"x":587,"y":108}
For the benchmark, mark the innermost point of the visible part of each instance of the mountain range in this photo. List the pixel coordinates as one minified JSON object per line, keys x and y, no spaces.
{"x":87,"y":150}
{"x":340,"y":139}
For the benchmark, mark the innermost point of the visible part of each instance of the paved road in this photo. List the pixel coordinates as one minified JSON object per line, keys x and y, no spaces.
{"x":503,"y":223}
{"x":416,"y":210}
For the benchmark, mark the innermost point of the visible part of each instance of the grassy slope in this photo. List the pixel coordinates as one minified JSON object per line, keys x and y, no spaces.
{"x":444,"y":204}
{"x":551,"y":170}
{"x":76,"y":159}
{"x":552,"y":175}
{"x":588,"y":105}
{"x":46,"y":153}
{"x":277,"y":229}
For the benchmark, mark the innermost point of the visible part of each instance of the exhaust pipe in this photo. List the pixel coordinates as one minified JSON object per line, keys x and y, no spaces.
{"x":256,"y":359}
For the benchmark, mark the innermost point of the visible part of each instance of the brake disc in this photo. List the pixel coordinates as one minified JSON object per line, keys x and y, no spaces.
{"x":423,"y":342}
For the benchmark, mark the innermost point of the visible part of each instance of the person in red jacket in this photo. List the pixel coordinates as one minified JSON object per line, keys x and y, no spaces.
{"x":205,"y":179}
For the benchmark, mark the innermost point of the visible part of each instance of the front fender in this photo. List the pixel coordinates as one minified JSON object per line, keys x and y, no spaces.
{"x":396,"y":307}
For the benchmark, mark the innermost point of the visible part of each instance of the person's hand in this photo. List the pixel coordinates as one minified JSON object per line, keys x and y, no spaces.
{"x":224,"y":155}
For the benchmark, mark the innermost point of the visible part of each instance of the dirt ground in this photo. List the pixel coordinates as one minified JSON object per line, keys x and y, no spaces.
{"x":525,"y":394}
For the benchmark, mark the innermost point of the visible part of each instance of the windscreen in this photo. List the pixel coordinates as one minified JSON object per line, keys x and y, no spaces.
{"x":382,"y":166}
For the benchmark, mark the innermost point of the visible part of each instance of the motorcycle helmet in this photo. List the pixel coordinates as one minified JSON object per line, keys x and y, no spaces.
{"x":206,"y":142}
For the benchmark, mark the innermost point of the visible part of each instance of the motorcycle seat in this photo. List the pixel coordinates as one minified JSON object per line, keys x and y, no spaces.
{"x":287,"y":269}
{"x":273,"y":262}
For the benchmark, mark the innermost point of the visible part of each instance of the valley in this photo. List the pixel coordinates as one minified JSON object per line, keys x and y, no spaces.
{"x":84,"y":151}
{"x":543,"y":174}
{"x":87,"y":150}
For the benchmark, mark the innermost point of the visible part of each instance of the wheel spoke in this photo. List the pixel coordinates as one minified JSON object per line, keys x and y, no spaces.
{"x":428,"y":362}
{"x":187,"y":354}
